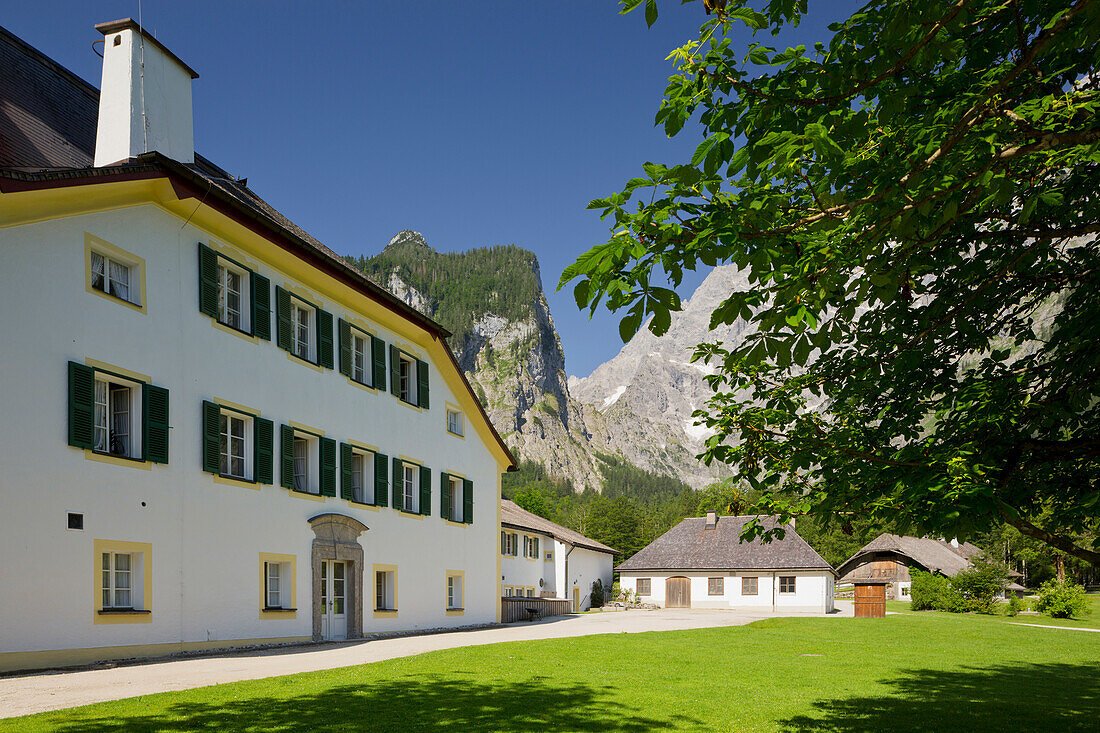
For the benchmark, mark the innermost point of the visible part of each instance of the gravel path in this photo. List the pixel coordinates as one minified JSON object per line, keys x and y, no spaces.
{"x":56,"y":690}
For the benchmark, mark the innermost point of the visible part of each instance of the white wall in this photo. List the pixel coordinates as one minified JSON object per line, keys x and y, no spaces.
{"x":813,"y":590}
{"x":584,"y":567}
{"x":206,"y":536}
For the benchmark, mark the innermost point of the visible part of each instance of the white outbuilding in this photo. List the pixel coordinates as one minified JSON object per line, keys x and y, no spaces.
{"x":702,"y":563}
{"x":541,"y":559}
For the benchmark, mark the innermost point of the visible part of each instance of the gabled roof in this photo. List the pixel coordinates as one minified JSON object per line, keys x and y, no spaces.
{"x":690,"y":546}
{"x":48,"y":118}
{"x":935,"y":555}
{"x":514,"y":516}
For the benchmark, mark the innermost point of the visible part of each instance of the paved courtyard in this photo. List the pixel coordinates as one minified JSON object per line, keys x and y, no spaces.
{"x":56,"y":690}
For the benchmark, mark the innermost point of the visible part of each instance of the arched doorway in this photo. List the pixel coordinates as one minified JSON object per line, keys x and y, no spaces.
{"x":336,"y":561}
{"x":678,"y":593}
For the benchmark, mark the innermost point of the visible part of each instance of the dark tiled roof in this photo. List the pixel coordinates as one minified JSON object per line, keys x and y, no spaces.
{"x":513,"y":515}
{"x":689,"y":546}
{"x":936,"y":555}
{"x":48,"y":118}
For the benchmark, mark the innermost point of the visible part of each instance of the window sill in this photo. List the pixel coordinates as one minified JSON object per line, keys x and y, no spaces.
{"x":363,"y":504}
{"x":122,"y":612}
{"x":385,"y":613}
{"x":407,"y":513}
{"x":279,"y":610}
{"x":116,"y":298}
{"x":304,"y":362}
{"x":239,"y":333}
{"x":456,"y":523}
{"x":455,"y":611}
{"x":92,"y":455}
{"x":239,"y":482}
{"x":410,"y":405}
{"x":456,"y":435}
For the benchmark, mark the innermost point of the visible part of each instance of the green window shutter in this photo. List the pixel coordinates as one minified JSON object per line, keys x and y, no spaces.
{"x":81,"y":405}
{"x":395,"y":370}
{"x":154,"y":429}
{"x":343,"y":329}
{"x":211,"y":437}
{"x":425,"y":490}
{"x":328,"y":466}
{"x":261,"y":306}
{"x":346,"y":458}
{"x":208,"y":281}
{"x":284,"y":329}
{"x":422,"y":383}
{"x":467,"y":501}
{"x":324,"y":339}
{"x":378,"y":360}
{"x":444,"y":495}
{"x":381,"y":484}
{"x":398,"y":484}
{"x":286,"y":459}
{"x":263,"y":450}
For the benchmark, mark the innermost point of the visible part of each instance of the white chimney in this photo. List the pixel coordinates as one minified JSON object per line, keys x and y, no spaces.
{"x":712,"y":520}
{"x":955,"y":542}
{"x":145,"y":98}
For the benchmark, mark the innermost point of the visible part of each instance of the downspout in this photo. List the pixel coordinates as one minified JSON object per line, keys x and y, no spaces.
{"x":774,"y":576}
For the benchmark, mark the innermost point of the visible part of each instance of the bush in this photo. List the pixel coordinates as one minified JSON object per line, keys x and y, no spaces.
{"x":597,"y":593}
{"x":929,"y":591}
{"x":978,"y":586}
{"x":1015,"y":605}
{"x":1062,"y":600}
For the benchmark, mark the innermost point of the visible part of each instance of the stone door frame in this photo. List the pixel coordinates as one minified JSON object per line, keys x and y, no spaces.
{"x":337,"y":538}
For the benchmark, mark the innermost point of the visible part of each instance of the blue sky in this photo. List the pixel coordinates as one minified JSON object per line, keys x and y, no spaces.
{"x":474,"y":123}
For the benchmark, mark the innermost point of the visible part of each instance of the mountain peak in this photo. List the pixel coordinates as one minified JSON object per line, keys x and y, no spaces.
{"x":408,"y":239}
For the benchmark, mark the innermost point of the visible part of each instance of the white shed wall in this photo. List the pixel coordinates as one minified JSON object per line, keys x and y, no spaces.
{"x":813,"y":590}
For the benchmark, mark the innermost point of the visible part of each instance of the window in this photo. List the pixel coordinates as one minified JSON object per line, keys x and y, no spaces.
{"x":904,"y":591}
{"x":455,"y":600}
{"x":302,"y":335}
{"x":549,"y":556}
{"x":235,"y":435}
{"x":308,"y":461}
{"x":117,"y":588}
{"x":530,"y":592}
{"x":509,"y":543}
{"x":749,"y":586}
{"x":530,"y":547}
{"x":232,"y":296}
{"x":301,"y":465}
{"x":506,"y":591}
{"x":112,"y":277}
{"x":272,"y":574}
{"x":410,"y":495}
{"x":358,"y":472}
{"x":117,"y":416}
{"x":408,"y":378}
{"x":643,"y":586}
{"x":384,"y":591}
{"x":455,"y":423}
{"x":786,"y":583}
{"x":454,"y":498}
{"x":359,"y":359}
{"x":75,"y":520}
{"x":716,"y":586}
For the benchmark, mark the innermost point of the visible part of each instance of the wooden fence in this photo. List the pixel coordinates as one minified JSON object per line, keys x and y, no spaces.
{"x":520,"y":609}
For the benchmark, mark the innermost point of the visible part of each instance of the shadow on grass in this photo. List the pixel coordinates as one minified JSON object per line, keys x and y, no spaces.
{"x":1061,"y":697}
{"x":400,"y":704}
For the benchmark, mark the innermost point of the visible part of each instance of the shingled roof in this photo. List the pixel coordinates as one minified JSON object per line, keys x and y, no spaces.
{"x":690,"y":546}
{"x":48,"y":119}
{"x":935,"y":555}
{"x":514,"y":516}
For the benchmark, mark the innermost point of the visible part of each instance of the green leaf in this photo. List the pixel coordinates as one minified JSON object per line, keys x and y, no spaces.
{"x":650,"y":18}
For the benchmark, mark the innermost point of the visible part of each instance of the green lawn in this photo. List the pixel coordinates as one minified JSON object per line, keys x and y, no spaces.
{"x":1090,"y":620}
{"x":918,"y":672}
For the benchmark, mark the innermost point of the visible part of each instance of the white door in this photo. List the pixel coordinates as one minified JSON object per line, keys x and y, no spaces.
{"x":334,"y":618}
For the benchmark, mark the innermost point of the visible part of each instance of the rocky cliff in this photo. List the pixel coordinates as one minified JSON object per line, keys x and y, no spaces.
{"x":504,"y":340}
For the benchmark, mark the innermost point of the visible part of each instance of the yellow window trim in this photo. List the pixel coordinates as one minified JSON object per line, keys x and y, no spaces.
{"x":127,"y":373}
{"x":306,"y":296}
{"x":306,"y":495}
{"x":299,"y":360}
{"x":91,"y":455}
{"x":456,"y":474}
{"x":449,"y":407}
{"x":452,"y":523}
{"x":239,"y":483}
{"x":146,"y":550}
{"x":360,"y":385}
{"x":250,"y":411}
{"x":316,"y":432}
{"x":362,"y":446}
{"x":230,"y":253}
{"x":266,"y":557}
{"x":92,"y":242}
{"x":407,"y":459}
{"x":229,"y":329}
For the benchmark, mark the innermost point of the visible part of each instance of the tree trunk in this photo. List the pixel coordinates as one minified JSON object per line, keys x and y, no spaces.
{"x":1060,"y":566}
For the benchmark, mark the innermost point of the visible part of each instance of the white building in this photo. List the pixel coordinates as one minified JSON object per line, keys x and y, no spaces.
{"x":218,"y":433}
{"x":702,"y":563}
{"x":540,"y":559}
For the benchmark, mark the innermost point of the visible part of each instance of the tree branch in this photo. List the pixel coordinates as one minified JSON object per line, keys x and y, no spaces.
{"x":1056,"y":541}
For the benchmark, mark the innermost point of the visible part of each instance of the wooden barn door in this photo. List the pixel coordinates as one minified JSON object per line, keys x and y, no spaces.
{"x":677,"y":593}
{"x":870,"y":600}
